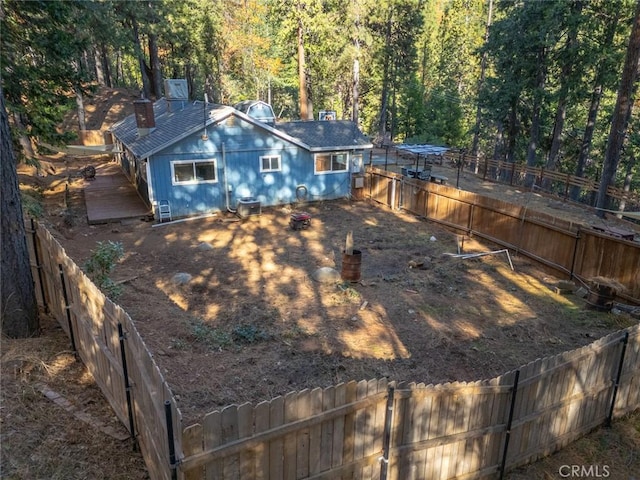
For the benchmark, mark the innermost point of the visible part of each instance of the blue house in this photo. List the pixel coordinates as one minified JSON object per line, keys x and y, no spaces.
{"x":198,"y":157}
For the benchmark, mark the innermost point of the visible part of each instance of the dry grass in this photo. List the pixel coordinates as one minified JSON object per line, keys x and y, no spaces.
{"x":40,"y":439}
{"x":610,"y":453}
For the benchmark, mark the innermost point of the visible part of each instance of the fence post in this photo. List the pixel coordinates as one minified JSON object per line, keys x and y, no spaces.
{"x":509,"y":422}
{"x":36,"y":254}
{"x":625,"y":341}
{"x":127,"y":385}
{"x":171,"y":440}
{"x":67,"y":309}
{"x":575,"y":254}
{"x":386,"y":435}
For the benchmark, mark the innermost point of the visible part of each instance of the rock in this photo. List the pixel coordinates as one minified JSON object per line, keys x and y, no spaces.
{"x":326,"y":275}
{"x":204,"y":246}
{"x":582,"y":292}
{"x":433,"y":239}
{"x":181,"y":278}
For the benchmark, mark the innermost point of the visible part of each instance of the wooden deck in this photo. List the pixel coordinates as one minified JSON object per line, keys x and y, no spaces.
{"x":110,"y":197}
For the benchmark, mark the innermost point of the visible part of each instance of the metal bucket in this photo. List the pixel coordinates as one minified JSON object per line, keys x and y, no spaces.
{"x":600,"y":297}
{"x":351,"y":266}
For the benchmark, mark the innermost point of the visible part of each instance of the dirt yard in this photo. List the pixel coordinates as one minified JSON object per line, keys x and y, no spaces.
{"x":232,"y":312}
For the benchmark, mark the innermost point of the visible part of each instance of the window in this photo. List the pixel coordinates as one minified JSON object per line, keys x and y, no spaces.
{"x":270,"y":163}
{"x":331,"y":162}
{"x":193,"y":171}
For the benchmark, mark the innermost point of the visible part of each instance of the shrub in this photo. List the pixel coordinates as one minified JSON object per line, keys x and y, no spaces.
{"x":31,"y":205}
{"x":210,"y":336}
{"x":249,"y":333}
{"x":100,"y":265}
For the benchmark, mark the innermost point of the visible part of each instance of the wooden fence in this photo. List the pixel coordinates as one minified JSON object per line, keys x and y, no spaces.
{"x":370,"y":429}
{"x":379,"y":430}
{"x":104,"y":337}
{"x":568,"y":247}
{"x":563,"y":184}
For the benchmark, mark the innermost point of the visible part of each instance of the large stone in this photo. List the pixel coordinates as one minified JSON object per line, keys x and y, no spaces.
{"x":326,"y":275}
{"x":181,"y":278}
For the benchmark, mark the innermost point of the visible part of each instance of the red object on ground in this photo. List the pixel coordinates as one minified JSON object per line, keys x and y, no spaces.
{"x":299,"y":221}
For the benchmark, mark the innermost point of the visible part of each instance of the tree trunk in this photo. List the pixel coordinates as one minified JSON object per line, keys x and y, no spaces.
{"x":106,"y":65}
{"x":585,"y":146}
{"x":565,"y":79}
{"x":356,"y":95}
{"x":512,"y":131}
{"x":627,"y":183}
{"x":25,"y":141}
{"x":384,"y":101}
{"x":144,"y":70}
{"x":82,"y":125}
{"x":19,"y":309}
{"x":534,"y":135}
{"x":620,"y":115}
{"x":483,"y":67}
{"x":156,"y":69}
{"x":302,"y":75}
{"x":98,"y":66}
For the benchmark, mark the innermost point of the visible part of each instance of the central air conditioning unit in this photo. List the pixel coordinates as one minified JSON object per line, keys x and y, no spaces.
{"x":247,"y":207}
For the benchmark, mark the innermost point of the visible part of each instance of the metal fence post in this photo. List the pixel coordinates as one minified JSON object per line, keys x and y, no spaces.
{"x":67,"y":309}
{"x":386,"y":435}
{"x":625,"y":341}
{"x":509,"y":422}
{"x":36,"y":254}
{"x":127,"y":386}
{"x":171,"y":440}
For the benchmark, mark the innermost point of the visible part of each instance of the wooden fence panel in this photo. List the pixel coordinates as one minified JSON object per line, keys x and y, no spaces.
{"x":628,"y":395}
{"x":380,"y":189}
{"x":563,"y":245}
{"x":600,"y":255}
{"x":149,"y":393}
{"x":52,"y":256}
{"x":321,"y":434}
{"x":93,"y":323}
{"x":448,"y":431}
{"x":448,"y":206}
{"x":547,"y":244}
{"x":561,"y":398}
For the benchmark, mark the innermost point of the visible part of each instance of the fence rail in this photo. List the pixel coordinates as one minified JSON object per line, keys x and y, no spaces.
{"x":563,"y":184}
{"x":369,"y":429}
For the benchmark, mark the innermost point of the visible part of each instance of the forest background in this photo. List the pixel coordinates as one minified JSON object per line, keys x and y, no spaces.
{"x":535,"y":82}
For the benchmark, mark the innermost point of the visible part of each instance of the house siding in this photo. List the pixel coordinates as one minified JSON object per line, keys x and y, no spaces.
{"x":237,"y":146}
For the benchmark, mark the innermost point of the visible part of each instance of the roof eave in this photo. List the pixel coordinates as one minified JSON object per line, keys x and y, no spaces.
{"x":335,"y":148}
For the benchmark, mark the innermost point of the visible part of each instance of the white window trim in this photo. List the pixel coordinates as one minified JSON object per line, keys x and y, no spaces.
{"x":328,"y":172}
{"x":268,"y":170}
{"x":194,"y":162}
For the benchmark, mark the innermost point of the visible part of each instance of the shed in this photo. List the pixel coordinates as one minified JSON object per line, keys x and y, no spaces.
{"x":200,"y":157}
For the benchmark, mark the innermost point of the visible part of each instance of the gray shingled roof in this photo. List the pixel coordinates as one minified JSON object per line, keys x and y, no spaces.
{"x":171,"y":126}
{"x":326,"y":135}
{"x":189,"y":117}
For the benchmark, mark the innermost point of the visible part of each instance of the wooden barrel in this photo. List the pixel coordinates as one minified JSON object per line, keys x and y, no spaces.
{"x":351,"y":266}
